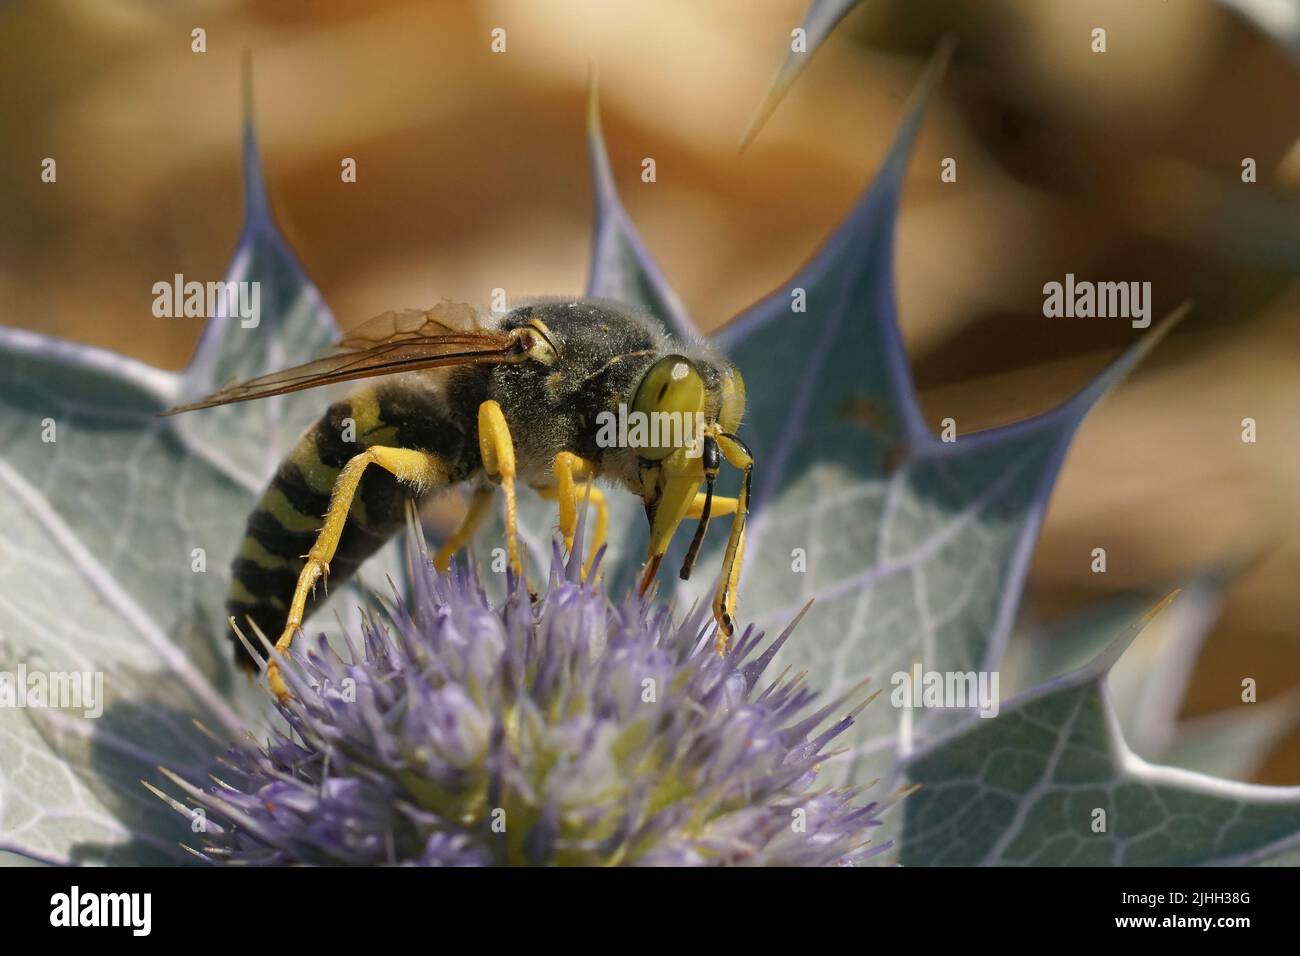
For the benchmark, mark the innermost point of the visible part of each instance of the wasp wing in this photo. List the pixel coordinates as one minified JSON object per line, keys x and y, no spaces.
{"x":449,"y":318}
{"x":393,"y":342}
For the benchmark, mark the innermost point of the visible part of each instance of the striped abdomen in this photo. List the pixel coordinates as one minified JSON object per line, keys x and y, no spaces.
{"x":404,"y":413}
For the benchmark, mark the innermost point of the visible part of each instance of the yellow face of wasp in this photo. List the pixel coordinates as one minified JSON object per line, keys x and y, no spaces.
{"x":673,"y":385}
{"x":671,"y":390}
{"x":733,"y":400}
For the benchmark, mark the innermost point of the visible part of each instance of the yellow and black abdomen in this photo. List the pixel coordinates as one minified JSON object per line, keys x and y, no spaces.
{"x":403,"y":413}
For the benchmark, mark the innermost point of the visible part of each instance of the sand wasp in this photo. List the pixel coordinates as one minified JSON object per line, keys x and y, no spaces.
{"x":487,"y":401}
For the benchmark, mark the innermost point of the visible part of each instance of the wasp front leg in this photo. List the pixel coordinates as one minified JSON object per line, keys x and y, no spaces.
{"x":703,"y":506}
{"x":568,"y":469}
{"x":673,"y":496}
{"x":677,"y":498}
{"x":420,"y":469}
{"x":718,"y":506}
{"x":724,"y":602}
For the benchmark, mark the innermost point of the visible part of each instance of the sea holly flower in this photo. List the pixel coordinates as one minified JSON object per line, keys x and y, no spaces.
{"x":576,"y":730}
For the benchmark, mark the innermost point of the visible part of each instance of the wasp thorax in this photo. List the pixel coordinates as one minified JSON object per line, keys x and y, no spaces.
{"x":670,"y":390}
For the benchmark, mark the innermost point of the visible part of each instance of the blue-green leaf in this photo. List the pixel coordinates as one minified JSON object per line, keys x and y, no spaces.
{"x":910,"y":548}
{"x":119,"y":535}
{"x":1148,"y":685}
{"x":100,"y":527}
{"x":818,"y":22}
{"x":295,"y":326}
{"x":1050,"y":781}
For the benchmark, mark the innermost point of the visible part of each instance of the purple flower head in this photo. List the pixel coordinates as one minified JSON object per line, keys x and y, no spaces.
{"x":562,"y":730}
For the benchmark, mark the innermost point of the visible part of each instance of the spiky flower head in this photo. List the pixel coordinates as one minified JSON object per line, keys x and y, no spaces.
{"x":563,"y":730}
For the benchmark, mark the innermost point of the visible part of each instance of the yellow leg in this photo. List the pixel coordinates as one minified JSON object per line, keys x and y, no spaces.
{"x":673,"y":491}
{"x":498,"y":452}
{"x":417,"y":468}
{"x":567,"y":468}
{"x":702,"y":509}
{"x":724,"y":602}
{"x":721,"y":506}
{"x":480,"y":506}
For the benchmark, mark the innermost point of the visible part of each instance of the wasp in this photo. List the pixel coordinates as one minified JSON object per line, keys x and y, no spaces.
{"x":487,"y":402}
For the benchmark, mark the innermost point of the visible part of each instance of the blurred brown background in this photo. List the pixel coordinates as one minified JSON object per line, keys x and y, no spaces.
{"x":472,"y":174}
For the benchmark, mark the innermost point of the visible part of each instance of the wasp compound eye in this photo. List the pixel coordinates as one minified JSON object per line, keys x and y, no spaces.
{"x":669,"y":402}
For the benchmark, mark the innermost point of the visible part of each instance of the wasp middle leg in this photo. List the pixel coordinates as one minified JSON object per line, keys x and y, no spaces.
{"x":568,"y":469}
{"x":497,"y":449}
{"x":480,"y":506}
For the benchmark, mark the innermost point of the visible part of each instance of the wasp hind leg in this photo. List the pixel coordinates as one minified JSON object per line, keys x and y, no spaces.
{"x":568,"y":469}
{"x":419,"y":469}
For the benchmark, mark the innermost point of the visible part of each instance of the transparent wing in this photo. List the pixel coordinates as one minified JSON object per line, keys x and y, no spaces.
{"x":450,"y":318}
{"x":393,"y":342}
